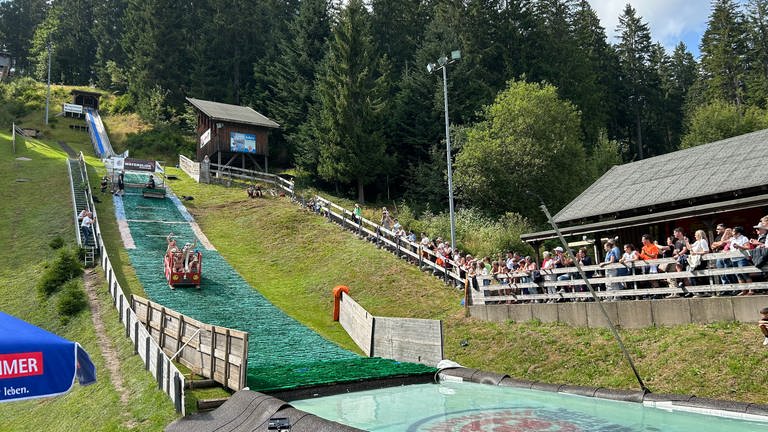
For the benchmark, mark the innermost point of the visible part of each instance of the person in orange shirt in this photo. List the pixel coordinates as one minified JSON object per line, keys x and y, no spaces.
{"x":650,"y":251}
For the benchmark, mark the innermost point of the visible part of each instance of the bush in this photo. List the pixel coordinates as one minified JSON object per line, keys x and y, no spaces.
{"x":56,"y":243}
{"x":72,"y":300}
{"x":65,"y":267}
{"x":162,"y":142}
{"x":475,"y":233}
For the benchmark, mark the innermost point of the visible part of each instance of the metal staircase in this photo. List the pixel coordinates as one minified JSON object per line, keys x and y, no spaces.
{"x":81,"y":199}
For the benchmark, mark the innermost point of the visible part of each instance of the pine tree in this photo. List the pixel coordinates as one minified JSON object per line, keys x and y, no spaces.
{"x":634,"y":51}
{"x":723,"y":53}
{"x":757,"y":43}
{"x":346,"y":132}
{"x":598,"y":59}
{"x":19,"y":19}
{"x":289,"y":81}
{"x":106,"y":31}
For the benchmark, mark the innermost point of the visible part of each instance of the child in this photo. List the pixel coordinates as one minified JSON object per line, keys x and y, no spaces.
{"x":763,"y":324}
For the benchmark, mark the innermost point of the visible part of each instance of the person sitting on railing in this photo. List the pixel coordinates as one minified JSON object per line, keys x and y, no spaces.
{"x":151,"y":182}
{"x":649,"y":251}
{"x":740,"y":242}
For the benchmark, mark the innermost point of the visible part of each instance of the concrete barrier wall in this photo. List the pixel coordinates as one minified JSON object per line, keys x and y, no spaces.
{"x":401,"y":339}
{"x":411,"y":340}
{"x":357,"y":322}
{"x":631,"y":313}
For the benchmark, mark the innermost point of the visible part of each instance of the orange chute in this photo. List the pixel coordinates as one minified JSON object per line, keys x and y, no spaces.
{"x":337,"y":299}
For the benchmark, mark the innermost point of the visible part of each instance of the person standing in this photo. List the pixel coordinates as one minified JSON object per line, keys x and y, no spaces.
{"x":120,"y":185}
{"x":612,"y":256}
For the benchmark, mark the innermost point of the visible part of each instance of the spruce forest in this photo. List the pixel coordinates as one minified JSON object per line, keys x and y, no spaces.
{"x":540,"y":100}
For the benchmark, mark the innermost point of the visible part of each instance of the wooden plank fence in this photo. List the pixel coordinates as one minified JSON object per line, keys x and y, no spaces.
{"x":218,"y":353}
{"x":169,"y":379}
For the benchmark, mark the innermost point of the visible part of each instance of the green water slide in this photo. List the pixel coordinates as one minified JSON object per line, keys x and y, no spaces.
{"x":282,"y":353}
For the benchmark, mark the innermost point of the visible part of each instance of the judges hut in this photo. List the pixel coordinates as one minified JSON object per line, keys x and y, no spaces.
{"x":232,"y":135}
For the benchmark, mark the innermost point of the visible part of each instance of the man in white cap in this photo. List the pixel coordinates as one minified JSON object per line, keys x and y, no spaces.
{"x":762,"y":230}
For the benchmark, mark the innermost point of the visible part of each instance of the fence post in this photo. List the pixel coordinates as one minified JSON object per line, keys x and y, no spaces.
{"x":421,"y":257}
{"x":146,"y":353}
{"x":136,"y":337}
{"x":127,"y":322}
{"x":177,"y":392}
{"x":121,"y":308}
{"x":159,"y":363}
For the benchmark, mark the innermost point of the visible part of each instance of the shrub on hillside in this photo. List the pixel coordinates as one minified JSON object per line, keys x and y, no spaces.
{"x":56,"y":243}
{"x":65,"y":267}
{"x":72,"y":299}
{"x":475,"y":233}
{"x":163,"y":142}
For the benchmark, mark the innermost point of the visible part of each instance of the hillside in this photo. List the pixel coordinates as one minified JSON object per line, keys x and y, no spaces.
{"x":295,"y":258}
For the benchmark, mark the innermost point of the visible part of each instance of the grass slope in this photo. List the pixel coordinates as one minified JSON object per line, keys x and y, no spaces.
{"x":31,"y":214}
{"x":295,"y":259}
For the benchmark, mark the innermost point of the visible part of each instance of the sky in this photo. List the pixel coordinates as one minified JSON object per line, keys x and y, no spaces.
{"x":670,"y":21}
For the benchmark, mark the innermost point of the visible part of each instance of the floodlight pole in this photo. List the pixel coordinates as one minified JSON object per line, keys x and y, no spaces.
{"x":48,"y":92}
{"x":443,"y":63}
{"x":592,"y":291}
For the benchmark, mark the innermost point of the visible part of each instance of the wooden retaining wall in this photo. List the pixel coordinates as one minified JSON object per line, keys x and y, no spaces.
{"x":218,"y":353}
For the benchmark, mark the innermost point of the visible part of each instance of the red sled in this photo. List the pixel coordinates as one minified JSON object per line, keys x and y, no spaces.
{"x":182,"y":274}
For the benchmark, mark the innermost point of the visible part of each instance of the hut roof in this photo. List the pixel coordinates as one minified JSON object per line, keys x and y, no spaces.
{"x":232,"y":113}
{"x":716,"y":168}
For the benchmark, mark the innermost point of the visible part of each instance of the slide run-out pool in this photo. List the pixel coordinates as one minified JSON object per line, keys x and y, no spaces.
{"x":463,"y":406}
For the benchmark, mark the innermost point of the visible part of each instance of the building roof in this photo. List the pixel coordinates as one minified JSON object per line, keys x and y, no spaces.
{"x":729,"y":165}
{"x":232,"y":113}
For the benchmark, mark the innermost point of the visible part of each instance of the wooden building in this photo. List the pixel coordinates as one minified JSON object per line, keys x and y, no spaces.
{"x":86,"y":99}
{"x":232,"y":135}
{"x":696,"y":188}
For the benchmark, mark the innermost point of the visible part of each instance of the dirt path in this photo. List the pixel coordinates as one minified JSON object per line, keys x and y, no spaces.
{"x":92,"y":282}
{"x":70,"y":151}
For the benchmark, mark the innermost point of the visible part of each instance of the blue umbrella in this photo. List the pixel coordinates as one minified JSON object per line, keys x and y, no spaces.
{"x":36,"y":363}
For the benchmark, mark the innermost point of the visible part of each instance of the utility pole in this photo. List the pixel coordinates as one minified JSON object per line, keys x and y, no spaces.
{"x":48,"y":92}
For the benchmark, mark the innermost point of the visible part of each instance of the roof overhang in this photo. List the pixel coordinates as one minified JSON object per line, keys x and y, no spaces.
{"x":652,"y":218}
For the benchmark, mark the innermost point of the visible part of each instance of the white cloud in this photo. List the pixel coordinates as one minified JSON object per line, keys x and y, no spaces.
{"x":670,"y":21}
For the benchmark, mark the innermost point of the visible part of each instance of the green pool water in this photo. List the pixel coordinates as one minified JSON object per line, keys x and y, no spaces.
{"x":453,"y":406}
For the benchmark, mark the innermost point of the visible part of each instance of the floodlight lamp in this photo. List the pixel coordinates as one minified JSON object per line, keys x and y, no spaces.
{"x":442,"y":60}
{"x":431,"y":67}
{"x":455,"y":55}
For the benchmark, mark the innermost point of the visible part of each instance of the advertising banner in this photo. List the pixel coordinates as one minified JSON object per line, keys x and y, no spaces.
{"x":242,"y":143}
{"x":72,"y":108}
{"x":139,"y":165}
{"x":205,"y":138}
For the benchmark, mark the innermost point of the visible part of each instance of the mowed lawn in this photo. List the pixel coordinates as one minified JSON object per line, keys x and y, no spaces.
{"x":35,"y":207}
{"x":296,"y":258}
